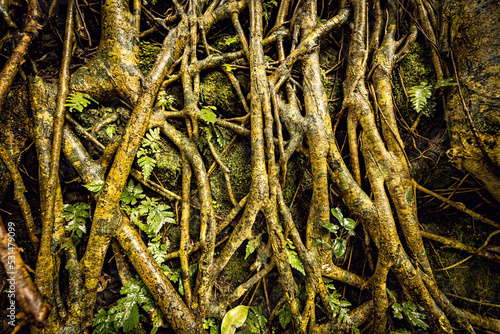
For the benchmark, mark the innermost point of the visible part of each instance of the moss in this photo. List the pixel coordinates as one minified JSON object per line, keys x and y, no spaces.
{"x":216,"y":90}
{"x":415,"y":68}
{"x":147,"y":56}
{"x":238,"y":162}
{"x":237,"y":269}
{"x":168,"y":165}
{"x":475,"y":278}
{"x":297,"y":176}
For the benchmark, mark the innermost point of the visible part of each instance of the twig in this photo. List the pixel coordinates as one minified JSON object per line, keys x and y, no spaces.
{"x":459,"y":206}
{"x":473,"y":300}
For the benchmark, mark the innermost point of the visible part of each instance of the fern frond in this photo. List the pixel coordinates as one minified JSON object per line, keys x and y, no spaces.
{"x":419,"y":95}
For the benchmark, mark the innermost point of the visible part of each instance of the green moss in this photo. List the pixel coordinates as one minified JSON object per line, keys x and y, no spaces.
{"x":475,"y":278}
{"x":415,"y":68}
{"x":168,"y":165}
{"x":147,"y":56}
{"x":237,"y":269}
{"x":216,"y":90}
{"x":238,"y":162}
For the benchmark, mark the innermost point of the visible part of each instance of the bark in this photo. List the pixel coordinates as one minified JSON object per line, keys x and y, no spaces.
{"x":317,"y":134}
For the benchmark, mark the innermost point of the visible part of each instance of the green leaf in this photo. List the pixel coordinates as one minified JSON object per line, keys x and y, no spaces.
{"x":348,"y":224}
{"x":103,"y":323}
{"x":233,"y":319}
{"x":111,"y":131}
{"x":221,"y":137}
{"x":75,"y":215}
{"x":256,"y":319}
{"x":208,"y":115}
{"x":444,"y":83}
{"x":410,"y":310}
{"x":331,"y":227}
{"x":294,"y":261}
{"x":419,"y":95}
{"x":228,"y":40}
{"x":229,"y":67}
{"x":284,"y":315}
{"x":252,"y":246}
{"x":158,"y":250}
{"x":164,"y":101}
{"x":337,"y":213}
{"x":78,"y":101}
{"x":158,"y":214}
{"x":132,"y":318}
{"x":391,"y":294}
{"x":396,"y":307}
{"x":147,"y":165}
{"x":132,"y":193}
{"x":151,"y":140}
{"x":339,"y":247}
{"x":95,"y":187}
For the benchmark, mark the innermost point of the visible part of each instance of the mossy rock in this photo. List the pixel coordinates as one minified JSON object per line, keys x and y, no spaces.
{"x":216,"y":90}
{"x":168,"y":166}
{"x":237,"y":269}
{"x":415,"y":68}
{"x":238,"y":161}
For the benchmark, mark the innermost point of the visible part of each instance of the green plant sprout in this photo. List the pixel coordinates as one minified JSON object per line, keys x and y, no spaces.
{"x":75,"y":216}
{"x":340,"y":244}
{"x":164,"y":101}
{"x":208,"y":115}
{"x":420,"y":95}
{"x":149,"y":146}
{"x":78,"y":101}
{"x":410,"y":310}
{"x":125,"y":314}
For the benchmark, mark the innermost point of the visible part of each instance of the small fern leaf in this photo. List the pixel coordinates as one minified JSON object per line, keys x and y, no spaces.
{"x":419,"y":95}
{"x":147,"y":165}
{"x":445,"y":82}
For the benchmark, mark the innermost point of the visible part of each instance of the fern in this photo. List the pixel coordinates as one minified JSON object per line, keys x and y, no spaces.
{"x":95,"y":187}
{"x":164,"y":101}
{"x":255,"y":321}
{"x":151,"y":140}
{"x":158,"y":250}
{"x":132,"y":193}
{"x":76,"y":215}
{"x":284,"y":315}
{"x":78,"y":101}
{"x":149,"y":145}
{"x":125,"y":314}
{"x":419,"y":95}
{"x":147,"y":165}
{"x":157,"y":215}
{"x":338,"y":306}
{"x":293,"y":257}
